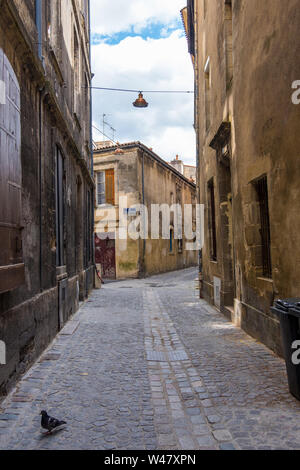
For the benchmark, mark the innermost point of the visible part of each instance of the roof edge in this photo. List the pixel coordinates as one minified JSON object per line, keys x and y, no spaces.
{"x":140,"y":145}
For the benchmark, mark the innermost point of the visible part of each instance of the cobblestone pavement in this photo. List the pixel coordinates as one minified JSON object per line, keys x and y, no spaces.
{"x":145,"y":364}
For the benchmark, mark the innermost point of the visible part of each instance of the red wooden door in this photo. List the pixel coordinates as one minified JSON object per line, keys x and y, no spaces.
{"x":105,"y":254}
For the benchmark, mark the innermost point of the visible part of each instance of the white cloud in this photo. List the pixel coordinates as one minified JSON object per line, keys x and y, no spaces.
{"x":136,"y":63}
{"x":147,"y":64}
{"x":113,"y":16}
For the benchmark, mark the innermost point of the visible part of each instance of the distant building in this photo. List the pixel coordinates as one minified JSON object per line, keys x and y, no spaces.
{"x":134,"y":171}
{"x":188,"y":171}
{"x":46,"y":185}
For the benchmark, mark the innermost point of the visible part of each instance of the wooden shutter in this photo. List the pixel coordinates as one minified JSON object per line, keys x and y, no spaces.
{"x":60,"y":208}
{"x":11,"y":263}
{"x":110,"y":187}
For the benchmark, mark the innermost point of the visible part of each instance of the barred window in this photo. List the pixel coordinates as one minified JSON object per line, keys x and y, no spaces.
{"x":261,"y":187}
{"x":212,"y":220}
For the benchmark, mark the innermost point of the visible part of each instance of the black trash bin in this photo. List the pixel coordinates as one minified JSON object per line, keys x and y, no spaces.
{"x":288,"y":312}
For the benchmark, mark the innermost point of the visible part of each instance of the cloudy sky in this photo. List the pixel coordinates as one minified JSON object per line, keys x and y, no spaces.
{"x":140,"y":44}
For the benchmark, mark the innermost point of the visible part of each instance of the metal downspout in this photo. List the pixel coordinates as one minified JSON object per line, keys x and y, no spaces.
{"x":38,"y":21}
{"x":91,"y":143}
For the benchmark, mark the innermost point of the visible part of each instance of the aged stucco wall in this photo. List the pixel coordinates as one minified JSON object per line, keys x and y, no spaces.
{"x":107,"y":218}
{"x":162,"y":185}
{"x":263,"y":140}
{"x":268,"y":139}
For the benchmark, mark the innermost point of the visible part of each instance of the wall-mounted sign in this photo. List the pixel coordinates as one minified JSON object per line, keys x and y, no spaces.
{"x":130,"y":211}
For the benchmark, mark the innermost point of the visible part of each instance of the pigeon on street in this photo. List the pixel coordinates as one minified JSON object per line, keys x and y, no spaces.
{"x":50,"y":423}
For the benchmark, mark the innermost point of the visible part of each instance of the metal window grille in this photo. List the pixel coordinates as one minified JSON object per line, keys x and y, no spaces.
{"x":212,"y":220}
{"x":262,"y":192}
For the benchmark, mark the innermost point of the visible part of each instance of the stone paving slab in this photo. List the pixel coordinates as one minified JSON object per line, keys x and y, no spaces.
{"x":150,"y":366}
{"x":245,"y":384}
{"x":70,"y":328}
{"x":97,"y":382}
{"x":158,"y":356}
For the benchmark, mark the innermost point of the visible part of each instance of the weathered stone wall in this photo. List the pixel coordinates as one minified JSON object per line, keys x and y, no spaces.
{"x":108,"y":218}
{"x":162,"y":186}
{"x":29,"y":315}
{"x":264,"y":140}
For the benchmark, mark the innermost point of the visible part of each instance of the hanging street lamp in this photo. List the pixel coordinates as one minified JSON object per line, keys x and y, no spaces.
{"x":140,"y":102}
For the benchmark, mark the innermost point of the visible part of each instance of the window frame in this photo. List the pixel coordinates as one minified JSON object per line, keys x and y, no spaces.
{"x":104,"y":192}
{"x":212,"y":222}
{"x":261,"y":189}
{"x":109,"y":199}
{"x":171,"y":241}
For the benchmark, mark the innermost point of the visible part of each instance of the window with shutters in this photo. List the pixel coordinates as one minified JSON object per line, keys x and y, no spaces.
{"x":106,"y":187}
{"x":11,"y":257}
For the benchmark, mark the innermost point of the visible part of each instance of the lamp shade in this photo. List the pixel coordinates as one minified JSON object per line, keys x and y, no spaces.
{"x":140,"y":102}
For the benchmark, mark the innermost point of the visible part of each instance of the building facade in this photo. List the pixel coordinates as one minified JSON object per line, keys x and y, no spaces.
{"x":46,"y":184}
{"x":248,"y":140}
{"x":189,"y":171}
{"x":128,"y":176}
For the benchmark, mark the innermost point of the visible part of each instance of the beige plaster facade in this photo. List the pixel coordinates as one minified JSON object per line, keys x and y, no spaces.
{"x":248,"y":143}
{"x":143,"y":178}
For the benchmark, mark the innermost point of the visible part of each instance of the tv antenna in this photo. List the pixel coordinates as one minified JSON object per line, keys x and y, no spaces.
{"x":105,"y":123}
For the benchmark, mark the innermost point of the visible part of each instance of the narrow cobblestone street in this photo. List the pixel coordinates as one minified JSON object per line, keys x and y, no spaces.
{"x":145,"y":364}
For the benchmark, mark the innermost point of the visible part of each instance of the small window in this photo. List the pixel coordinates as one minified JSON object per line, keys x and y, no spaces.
{"x":261,"y":187}
{"x":101,"y":188}
{"x":180,"y":245}
{"x":106,"y":187}
{"x":171,"y":239}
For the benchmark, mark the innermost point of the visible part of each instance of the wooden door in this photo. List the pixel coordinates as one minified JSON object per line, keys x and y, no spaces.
{"x":105,"y":254}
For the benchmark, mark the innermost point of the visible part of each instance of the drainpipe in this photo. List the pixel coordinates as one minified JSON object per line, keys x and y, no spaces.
{"x":196,"y":64}
{"x":91,"y":142}
{"x":38,"y":21}
{"x":143,"y":197}
{"x":91,"y":101}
